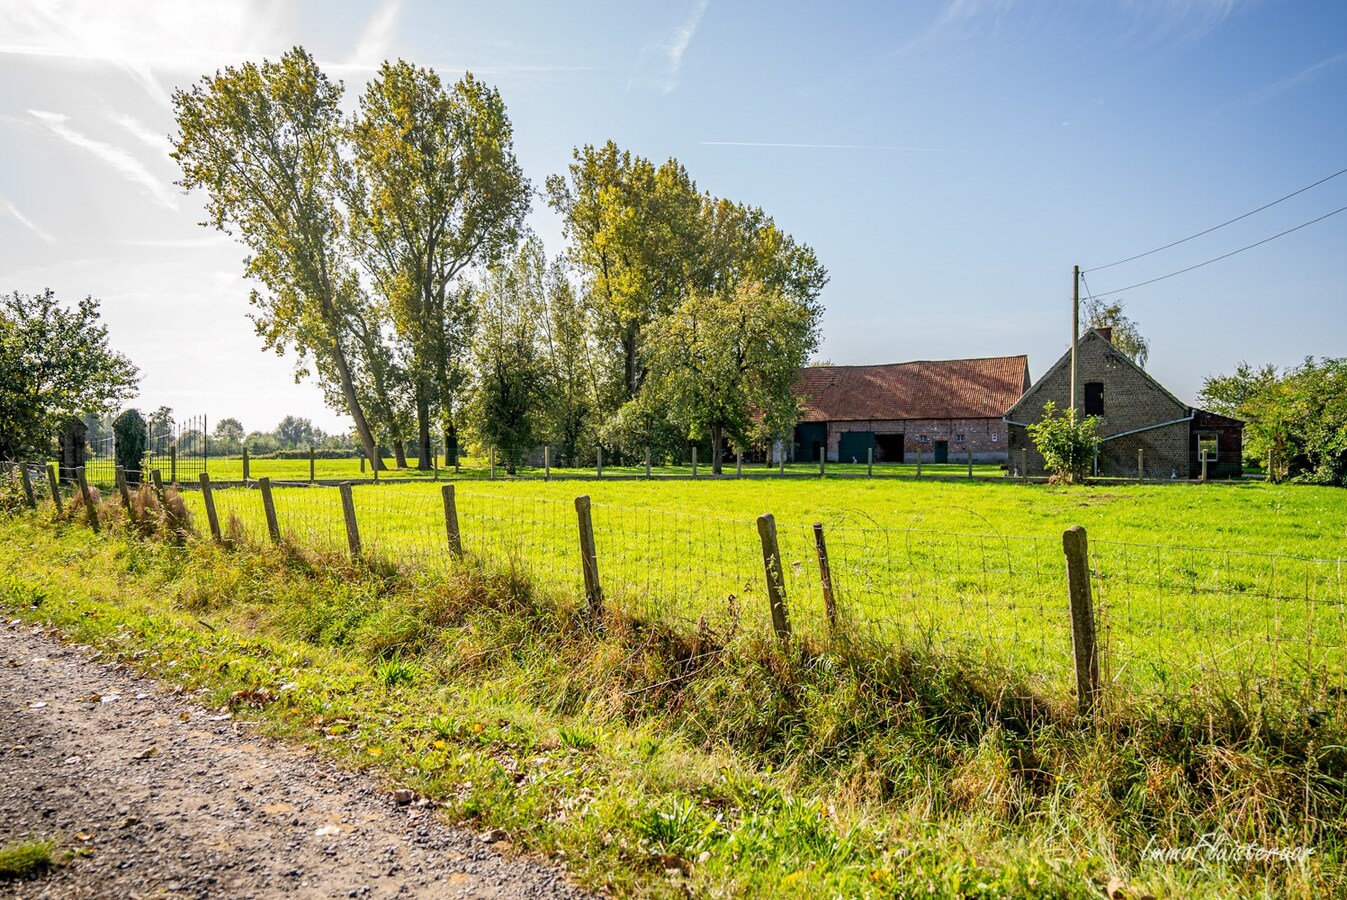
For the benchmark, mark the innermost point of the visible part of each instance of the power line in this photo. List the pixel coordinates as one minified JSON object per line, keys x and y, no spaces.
{"x":1222,"y":225}
{"x":1228,"y":255}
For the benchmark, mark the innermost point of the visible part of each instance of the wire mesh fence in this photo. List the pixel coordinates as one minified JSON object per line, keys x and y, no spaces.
{"x":1169,"y":619}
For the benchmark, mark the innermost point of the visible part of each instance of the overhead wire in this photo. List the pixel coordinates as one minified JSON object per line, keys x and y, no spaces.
{"x":1222,"y":225}
{"x":1226,"y":255}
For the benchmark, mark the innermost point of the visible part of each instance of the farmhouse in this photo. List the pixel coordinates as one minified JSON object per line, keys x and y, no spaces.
{"x":942,"y":409}
{"x":1136,"y":414}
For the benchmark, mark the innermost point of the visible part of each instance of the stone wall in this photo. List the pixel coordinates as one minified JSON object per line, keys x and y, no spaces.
{"x":1132,"y":401}
{"x":985,"y":437}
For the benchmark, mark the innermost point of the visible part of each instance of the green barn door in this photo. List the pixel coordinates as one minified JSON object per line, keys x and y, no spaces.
{"x":855,"y":446}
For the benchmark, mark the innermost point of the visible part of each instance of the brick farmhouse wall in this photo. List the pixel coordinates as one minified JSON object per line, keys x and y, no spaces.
{"x":986,"y":437}
{"x":1133,"y":401}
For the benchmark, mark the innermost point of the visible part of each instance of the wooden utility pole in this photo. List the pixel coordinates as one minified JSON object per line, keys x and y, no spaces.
{"x":1075,"y":328}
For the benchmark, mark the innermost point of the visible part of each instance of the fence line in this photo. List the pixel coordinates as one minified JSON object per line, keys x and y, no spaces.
{"x":1169,"y":619}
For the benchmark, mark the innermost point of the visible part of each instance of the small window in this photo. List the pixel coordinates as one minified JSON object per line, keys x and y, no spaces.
{"x":1207,"y":447}
{"x":923,"y":439}
{"x":1094,"y":398}
{"x":995,"y":437}
{"x":958,"y":438}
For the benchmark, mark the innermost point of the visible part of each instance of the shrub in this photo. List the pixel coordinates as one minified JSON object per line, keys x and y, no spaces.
{"x":1066,"y":443}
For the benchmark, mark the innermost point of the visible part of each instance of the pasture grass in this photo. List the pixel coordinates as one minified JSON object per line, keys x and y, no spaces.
{"x":665,"y":762}
{"x":1241,"y":583}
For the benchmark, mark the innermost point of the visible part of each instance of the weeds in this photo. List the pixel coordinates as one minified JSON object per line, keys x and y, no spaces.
{"x":24,"y":859}
{"x":715,"y":757}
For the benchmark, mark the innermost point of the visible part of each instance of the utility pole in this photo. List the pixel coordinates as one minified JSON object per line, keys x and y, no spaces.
{"x":1075,"y":329}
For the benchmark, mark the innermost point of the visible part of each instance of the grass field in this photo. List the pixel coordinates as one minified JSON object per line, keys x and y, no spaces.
{"x":230,"y":468}
{"x":670,"y":763}
{"x":1210,"y":585}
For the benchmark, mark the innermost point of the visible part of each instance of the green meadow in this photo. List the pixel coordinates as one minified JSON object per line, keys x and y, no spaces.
{"x":1194,"y":584}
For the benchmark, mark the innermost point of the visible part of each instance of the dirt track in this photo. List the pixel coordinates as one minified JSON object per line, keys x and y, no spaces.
{"x":165,"y":799}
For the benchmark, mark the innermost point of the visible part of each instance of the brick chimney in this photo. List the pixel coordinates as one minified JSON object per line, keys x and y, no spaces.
{"x":1106,"y":332}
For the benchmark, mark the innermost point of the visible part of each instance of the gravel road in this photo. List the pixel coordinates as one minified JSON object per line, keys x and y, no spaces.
{"x":165,"y":799}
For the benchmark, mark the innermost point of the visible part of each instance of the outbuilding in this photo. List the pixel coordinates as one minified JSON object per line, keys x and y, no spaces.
{"x":1145,"y":431}
{"x":942,"y":409}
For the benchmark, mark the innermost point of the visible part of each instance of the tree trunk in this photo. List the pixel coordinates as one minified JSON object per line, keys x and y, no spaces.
{"x":362,"y":428}
{"x":629,"y":339}
{"x":450,"y":445}
{"x":400,"y":453}
{"x":717,"y":435}
{"x":424,"y":459}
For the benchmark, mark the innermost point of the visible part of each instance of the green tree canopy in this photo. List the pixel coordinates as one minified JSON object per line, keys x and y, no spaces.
{"x":724,"y":365}
{"x":1298,"y":415}
{"x":55,"y":362}
{"x":438,"y":189}
{"x":512,"y":381}
{"x":1127,"y":337}
{"x":264,"y":144}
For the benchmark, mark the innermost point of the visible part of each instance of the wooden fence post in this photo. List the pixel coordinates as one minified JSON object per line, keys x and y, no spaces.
{"x":647,"y":463}
{"x":589,"y":559}
{"x":245,"y":463}
{"x":1088,"y":689}
{"x":694,"y":461}
{"x":125,"y":491}
{"x":451,"y":521}
{"x":870,"y":462}
{"x":1203,"y":454}
{"x":173,"y":464}
{"x":970,"y":462}
{"x":212,"y":517}
{"x":88,"y":496}
{"x":1141,"y":463}
{"x":157,"y":480}
{"x":738,"y":464}
{"x":776,"y":584}
{"x":348,"y":512}
{"x":919,"y":460}
{"x":547,"y":462}
{"x":269,"y":507}
{"x":1024,"y":463}
{"x":28,"y":496}
{"x":313,"y":464}
{"x":54,"y":484}
{"x":361,"y":454}
{"x":825,"y":576}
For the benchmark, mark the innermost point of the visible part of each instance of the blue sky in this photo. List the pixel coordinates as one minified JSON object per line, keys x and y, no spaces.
{"x":949,"y":162}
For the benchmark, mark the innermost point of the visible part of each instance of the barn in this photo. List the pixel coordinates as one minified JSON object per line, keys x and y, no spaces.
{"x":941,"y":408}
{"x":1145,"y":431}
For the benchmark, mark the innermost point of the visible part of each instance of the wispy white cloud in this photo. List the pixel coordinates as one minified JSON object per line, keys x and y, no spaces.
{"x":682,"y":36}
{"x":662,"y":59}
{"x":376,"y":40}
{"x":143,"y":133}
{"x":42,"y":234}
{"x":1304,"y":76}
{"x":142,"y":37}
{"x":115,"y":157}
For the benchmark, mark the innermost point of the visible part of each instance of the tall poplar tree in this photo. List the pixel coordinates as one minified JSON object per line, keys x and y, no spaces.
{"x":263,"y":143}
{"x":438,"y":190}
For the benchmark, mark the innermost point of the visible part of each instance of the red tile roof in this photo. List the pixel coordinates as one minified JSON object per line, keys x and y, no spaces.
{"x":926,"y":389}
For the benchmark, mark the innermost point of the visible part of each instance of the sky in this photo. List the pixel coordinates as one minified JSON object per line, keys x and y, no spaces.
{"x":949,"y":162}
